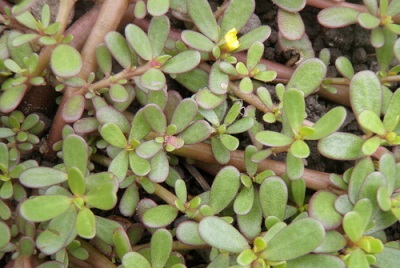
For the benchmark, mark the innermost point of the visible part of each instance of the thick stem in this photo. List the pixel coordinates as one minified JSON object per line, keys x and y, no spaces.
{"x":326,"y":3}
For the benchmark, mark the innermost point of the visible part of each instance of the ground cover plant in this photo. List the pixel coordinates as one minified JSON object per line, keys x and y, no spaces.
{"x":160,"y":134}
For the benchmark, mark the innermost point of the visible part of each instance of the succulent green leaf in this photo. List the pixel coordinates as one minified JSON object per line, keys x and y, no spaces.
{"x":290,"y":24}
{"x":208,"y":100}
{"x":197,"y":41}
{"x":308,"y":76}
{"x":73,"y":108}
{"x":42,"y":177}
{"x":118,"y":93}
{"x":181,"y":190}
{"x":219,"y":234}
{"x":308,"y":234}
{"x":224,"y":188}
{"x":118,"y":47}
{"x":10,"y":99}
{"x":368,"y":21}
{"x":104,"y":59}
{"x":391,"y":119}
{"x":139,"y":41}
{"x":5,"y":234}
{"x":333,"y":242}
{"x":388,"y":257}
{"x":160,"y":247}
{"x":387,"y":166}
{"x":294,"y":166}
{"x":300,"y":149}
{"x":328,"y":123}
{"x":182,"y":62}
{"x":377,"y":37}
{"x":113,"y":135}
{"x":343,"y":146}
{"x":250,"y":223}
{"x":159,"y":167}
{"x":236,"y":15}
{"x":258,"y":34}
{"x":153,"y":79}
{"x":273,"y":139}
{"x":65,"y":61}
{"x":59,"y":233}
{"x":148,"y":149}
{"x":193,"y":80}
{"x":365,"y":93}
{"x":140,"y":128}
{"x":27,"y":19}
{"x":314,"y":260}
{"x":321,"y":207}
{"x":184,"y":114}
{"x":290,"y":5}
{"x":352,"y":225}
{"x":75,"y":152}
{"x":196,"y":132}
{"x":159,"y":216}
{"x":383,"y":199}
{"x":203,"y":17}
{"x":246,"y":85}
{"x":188,"y":233}
{"x":336,"y":17}
{"x":273,"y":197}
{"x":102,"y":196}
{"x":370,"y":186}
{"x":110,"y":114}
{"x":155,"y":118}
{"x":121,"y":242}
{"x":230,"y":142}
{"x":294,"y":107}
{"x":384,"y":53}
{"x":139,"y":166}
{"x":129,"y":200}
{"x":132,"y":259}
{"x":85,"y":223}
{"x":370,"y":121}
{"x":344,"y":67}
{"x":244,"y":201}
{"x":76,"y":181}
{"x":158,"y":30}
{"x":157,"y":7}
{"x":45,"y":207}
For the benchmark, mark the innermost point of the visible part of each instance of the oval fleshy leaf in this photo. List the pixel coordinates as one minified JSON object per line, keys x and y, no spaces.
{"x":300,"y":149}
{"x":139,"y":41}
{"x":236,"y":15}
{"x":113,"y":135}
{"x":42,"y":177}
{"x":328,"y":123}
{"x":273,"y":139}
{"x":341,"y":146}
{"x":153,"y":79}
{"x":85,"y":223}
{"x":315,"y":260}
{"x":365,"y":93}
{"x":73,"y":108}
{"x":219,"y":234}
{"x":321,"y":208}
{"x":273,"y":197}
{"x":344,"y":67}
{"x":75,"y":152}
{"x":65,"y":61}
{"x":197,"y":41}
{"x":159,"y":167}
{"x":184,"y":114}
{"x":160,"y":247}
{"x":202,"y":15}
{"x":118,"y":93}
{"x":218,"y":80}
{"x":244,"y":201}
{"x":155,"y":118}
{"x":290,"y":24}
{"x":5,"y":234}
{"x":308,"y":76}
{"x":258,"y":34}
{"x":10,"y":99}
{"x":188,"y":233}
{"x":182,"y":62}
{"x":119,"y":49}
{"x":353,"y":225}
{"x":308,"y":234}
{"x":134,"y":259}
{"x":290,"y":5}
{"x":159,"y":216}
{"x":196,"y":132}
{"x":294,"y":107}
{"x":370,"y":121}
{"x":45,"y":207}
{"x":391,"y":118}
{"x":208,"y":100}
{"x":104,"y":59}
{"x":227,"y":182}
{"x":158,"y":33}
{"x":110,"y":114}
{"x":157,"y":7}
{"x":139,"y":166}
{"x":336,"y":17}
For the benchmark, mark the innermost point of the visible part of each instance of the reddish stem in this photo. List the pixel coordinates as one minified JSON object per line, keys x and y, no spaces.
{"x":325,"y":4}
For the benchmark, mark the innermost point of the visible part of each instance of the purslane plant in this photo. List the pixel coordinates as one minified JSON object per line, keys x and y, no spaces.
{"x":142,"y":97}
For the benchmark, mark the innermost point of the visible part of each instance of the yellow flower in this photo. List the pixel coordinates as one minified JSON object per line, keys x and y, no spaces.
{"x":231,"y":41}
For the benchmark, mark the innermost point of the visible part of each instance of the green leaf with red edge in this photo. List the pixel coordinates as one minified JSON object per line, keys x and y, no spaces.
{"x":160,"y":247}
{"x":196,"y":132}
{"x":273,"y":197}
{"x":184,"y":114}
{"x":121,"y":242}
{"x":155,"y":118}
{"x":218,"y":80}
{"x":42,"y":177}
{"x":119,"y":165}
{"x":11,"y":98}
{"x":134,"y":259}
{"x":153,"y":79}
{"x":321,"y":207}
{"x":208,"y":100}
{"x":66,"y":61}
{"x":290,"y":5}
{"x":104,"y":58}
{"x":158,"y":33}
{"x":336,"y":17}
{"x":140,"y":128}
{"x":73,"y":108}
{"x":344,"y":67}
{"x":159,"y":167}
{"x":187,"y":232}
{"x":110,"y":114}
